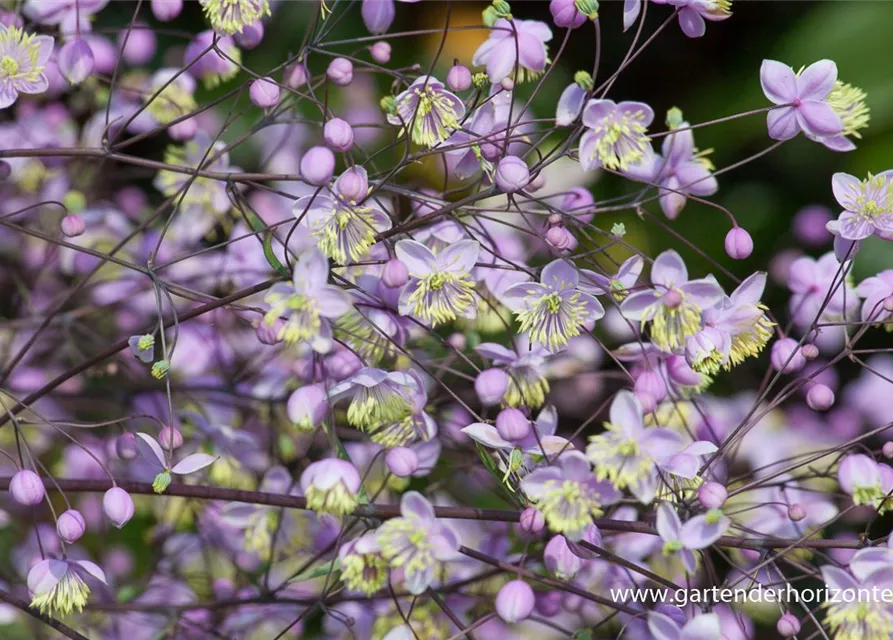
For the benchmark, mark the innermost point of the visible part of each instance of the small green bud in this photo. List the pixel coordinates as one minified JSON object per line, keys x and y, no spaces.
{"x":489,"y":17}
{"x":162,"y":482}
{"x":146,"y":342}
{"x":714,"y":516}
{"x":499,"y":9}
{"x":588,"y":8}
{"x":388,"y":105}
{"x":160,"y":369}
{"x":674,"y":118}
{"x":619,"y":229}
{"x":584,"y":80}
{"x":74,"y":201}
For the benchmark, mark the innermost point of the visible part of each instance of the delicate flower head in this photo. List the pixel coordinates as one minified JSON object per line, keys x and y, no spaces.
{"x":693,"y":13}
{"x":702,"y":627}
{"x":852,"y":616}
{"x":331,"y":486}
{"x":877,"y":292}
{"x":363,"y":568}
{"x":617,"y":286}
{"x":802,"y":100}
{"x":615,"y":135}
{"x":848,"y":102}
{"x":440,"y":287}
{"x":514,"y":43}
{"x":232,"y":16}
{"x":819,"y":291}
{"x":551,"y":312}
{"x":308,"y":304}
{"x":865,"y":480}
{"x":378,"y":398}
{"x":174,"y":97}
{"x":23,"y":58}
{"x":58,"y":586}
{"x":867,"y":204}
{"x":527,"y":386}
{"x":430,"y":112}
{"x":417,"y":542}
{"x":567,"y":494}
{"x":673,"y":307}
{"x":698,"y":533}
{"x":343,"y":229}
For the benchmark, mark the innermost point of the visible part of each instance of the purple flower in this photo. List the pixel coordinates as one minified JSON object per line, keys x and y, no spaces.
{"x":680,"y":171}
{"x":72,"y":16}
{"x":552,"y":311}
{"x":159,"y":460}
{"x":118,"y":506}
{"x":866,"y":481}
{"x":693,"y":13}
{"x":615,"y":134}
{"x":514,"y":42}
{"x":541,"y":440}
{"x":206,"y":64}
{"x":430,"y":112}
{"x":802,"y":99}
{"x":812,"y":281}
{"x":527,"y":386}
{"x":568,"y":494}
{"x":377,"y":397}
{"x":618,"y":285}
{"x":76,"y":60}
{"x":23,"y":58}
{"x":228,"y":17}
{"x":702,"y":627}
{"x":877,"y":292}
{"x":308,"y":304}
{"x":867,"y":206}
{"x":698,"y":533}
{"x":673,"y":307}
{"x":58,"y":586}
{"x":417,"y":542}
{"x":331,"y":486}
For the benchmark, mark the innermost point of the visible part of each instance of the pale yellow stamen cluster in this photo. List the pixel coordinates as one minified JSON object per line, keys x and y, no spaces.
{"x":567,"y":506}
{"x":442,"y":296}
{"x":347,"y":233}
{"x":848,"y":102}
{"x":16,"y":39}
{"x":617,"y":458}
{"x":622,"y":140}
{"x":232,"y":16}
{"x":68,"y":595}
{"x":338,"y":500}
{"x":551,"y":320}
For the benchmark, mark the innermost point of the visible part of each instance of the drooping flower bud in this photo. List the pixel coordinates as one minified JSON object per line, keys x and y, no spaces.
{"x":139,"y":44}
{"x":559,"y":237}
{"x":118,"y":506}
{"x":788,"y":625}
{"x":820,"y":397}
{"x":712,"y":495}
{"x":381,"y":52}
{"x":166,"y":10}
{"x":491,"y":386}
{"x":512,"y":424}
{"x":250,"y":36}
{"x":340,"y":71}
{"x":560,"y":560}
{"x":786,"y":356}
{"x":458,"y":78}
{"x":318,"y":165}
{"x":338,"y":134}
{"x":887,"y":449}
{"x":565,"y":14}
{"x":402,"y":461}
{"x":170,"y":438}
{"x":738,"y":243}
{"x":73,"y":225}
{"x":515,"y":601}
{"x":76,"y":60}
{"x":183,"y":130}
{"x":378,"y":15}
{"x":264,"y":93}
{"x":512,"y":174}
{"x":394,"y":274}
{"x":126,"y":446}
{"x":796,"y":512}
{"x":809,"y":351}
{"x":295,"y":75}
{"x":532,"y":521}
{"x":27,"y":488}
{"x":71,"y":526}
{"x":308,"y":406}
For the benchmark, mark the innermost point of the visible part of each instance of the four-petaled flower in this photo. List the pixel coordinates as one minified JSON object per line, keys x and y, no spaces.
{"x":58,"y":586}
{"x":802,"y":99}
{"x":698,"y":533}
{"x":615,"y":135}
{"x":511,"y":43}
{"x":430,"y":112}
{"x":867,"y":206}
{"x":877,"y":292}
{"x":23,"y":57}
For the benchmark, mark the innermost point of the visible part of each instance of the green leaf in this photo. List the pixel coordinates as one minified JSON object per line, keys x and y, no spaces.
{"x":322,"y":570}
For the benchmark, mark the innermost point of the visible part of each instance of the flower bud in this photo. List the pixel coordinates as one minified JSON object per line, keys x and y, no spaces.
{"x":809,"y":225}
{"x":377,"y":15}
{"x":887,"y":449}
{"x":565,"y":14}
{"x":381,"y":52}
{"x":353,"y":184}
{"x":26,"y":488}
{"x":340,"y":71}
{"x":507,"y":84}
{"x":457,"y":341}
{"x":295,"y":75}
{"x":118,"y":506}
{"x":308,"y":406}
{"x":786,"y":356}
{"x":739,"y":244}
{"x":76,"y":60}
{"x":126,"y":446}
{"x":512,"y":424}
{"x":170,"y":438}
{"x":338,"y":134}
{"x":140,"y":44}
{"x":268,"y":334}
{"x":317,"y":166}
{"x":593,"y":535}
{"x":250,"y":36}
{"x":788,"y":626}
{"x":650,"y":383}
{"x":796,"y":512}
{"x":515,"y":601}
{"x":512,"y":174}
{"x":820,"y":397}
{"x":712,"y":495}
{"x":183,"y":130}
{"x":395,"y":273}
{"x":809,"y":351}
{"x":402,"y":461}
{"x":458,"y":78}
{"x":532,"y":521}
{"x":560,"y":560}
{"x":491,"y":385}
{"x":559,"y":237}
{"x":73,"y":225}
{"x":264,"y":93}
{"x":166,"y":10}
{"x":71,"y":526}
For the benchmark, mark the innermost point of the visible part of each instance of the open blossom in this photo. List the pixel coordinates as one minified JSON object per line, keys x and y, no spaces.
{"x":680,"y":171}
{"x":331,"y":486}
{"x":377,"y":397}
{"x":514,"y":42}
{"x":705,"y":626}
{"x":617,"y":286}
{"x":71,"y":16}
{"x":527,"y":386}
{"x":417,"y":542}
{"x":693,"y":13}
{"x":697,"y":533}
{"x":877,"y":292}
{"x":673,"y":307}
{"x":440,"y":287}
{"x":802,"y":99}
{"x":819,"y":291}
{"x":363,"y":567}
{"x":232,"y":16}
{"x":58,"y":586}
{"x":344,"y":230}
{"x":867,"y":206}
{"x":568,"y":494}
{"x":852,"y":617}
{"x":169,"y":95}
{"x":866,"y":481}
{"x":308,"y":305}
{"x":428,"y":111}
{"x":552,"y":311}
{"x":23,"y":58}
{"x":615,"y":136}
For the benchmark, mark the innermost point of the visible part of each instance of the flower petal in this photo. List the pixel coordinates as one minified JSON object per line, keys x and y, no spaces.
{"x":668,"y":269}
{"x":778,"y":81}
{"x":782,"y":123}
{"x":818,"y":119}
{"x":193,"y":463}
{"x":417,"y":257}
{"x":817,"y":80}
